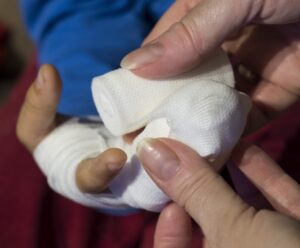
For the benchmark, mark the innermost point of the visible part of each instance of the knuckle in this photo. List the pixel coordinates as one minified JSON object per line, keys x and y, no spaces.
{"x":193,"y":33}
{"x":235,"y":223}
{"x":195,"y":187}
{"x":187,"y":38}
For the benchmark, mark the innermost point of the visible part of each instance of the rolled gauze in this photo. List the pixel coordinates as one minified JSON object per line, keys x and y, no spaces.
{"x":126,"y":101}
{"x":200,"y":108}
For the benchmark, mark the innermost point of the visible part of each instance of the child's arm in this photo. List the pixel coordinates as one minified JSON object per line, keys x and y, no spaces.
{"x":82,"y":39}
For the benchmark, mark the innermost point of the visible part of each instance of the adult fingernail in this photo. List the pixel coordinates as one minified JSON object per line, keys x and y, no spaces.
{"x":158,"y":158}
{"x":143,"y":56}
{"x":39,"y":82}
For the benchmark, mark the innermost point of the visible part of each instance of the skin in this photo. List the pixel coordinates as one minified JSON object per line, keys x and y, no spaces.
{"x":195,"y":187}
{"x":185,"y":35}
{"x":190,"y":29}
{"x":225,"y":219}
{"x":38,"y":118}
{"x":186,"y":14}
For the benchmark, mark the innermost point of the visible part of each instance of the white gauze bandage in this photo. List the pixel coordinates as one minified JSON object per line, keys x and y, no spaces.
{"x":200,"y":108}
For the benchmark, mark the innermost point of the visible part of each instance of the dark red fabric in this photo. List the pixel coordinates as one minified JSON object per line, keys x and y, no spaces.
{"x":4,"y":35}
{"x":33,"y":216}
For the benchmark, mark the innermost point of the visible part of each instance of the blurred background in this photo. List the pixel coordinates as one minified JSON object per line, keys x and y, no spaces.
{"x":15,"y":46}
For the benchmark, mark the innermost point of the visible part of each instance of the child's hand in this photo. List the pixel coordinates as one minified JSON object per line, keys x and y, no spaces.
{"x":38,"y":118}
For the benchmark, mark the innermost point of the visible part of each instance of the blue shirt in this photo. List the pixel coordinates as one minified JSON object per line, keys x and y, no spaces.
{"x":86,"y":38}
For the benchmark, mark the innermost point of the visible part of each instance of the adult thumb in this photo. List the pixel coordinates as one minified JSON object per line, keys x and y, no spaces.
{"x":193,"y":184}
{"x":186,"y":34}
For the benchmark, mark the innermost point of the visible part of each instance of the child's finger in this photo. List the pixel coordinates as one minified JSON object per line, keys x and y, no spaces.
{"x":37,"y":116}
{"x":93,"y":175}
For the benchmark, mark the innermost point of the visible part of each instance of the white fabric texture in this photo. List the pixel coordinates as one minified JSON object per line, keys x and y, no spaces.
{"x":200,"y":108}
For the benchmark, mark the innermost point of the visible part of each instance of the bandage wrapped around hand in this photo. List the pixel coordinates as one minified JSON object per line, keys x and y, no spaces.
{"x":200,"y":108}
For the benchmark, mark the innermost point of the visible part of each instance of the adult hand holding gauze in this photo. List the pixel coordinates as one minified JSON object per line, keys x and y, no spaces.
{"x":200,"y":108}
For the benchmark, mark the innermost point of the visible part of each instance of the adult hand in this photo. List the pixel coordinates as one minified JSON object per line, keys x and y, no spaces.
{"x":38,"y":118}
{"x":190,"y":29}
{"x":225,"y":220}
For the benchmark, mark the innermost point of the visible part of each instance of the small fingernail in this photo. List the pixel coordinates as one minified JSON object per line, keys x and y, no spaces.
{"x":39,"y":82}
{"x":158,"y":158}
{"x":143,"y":56}
{"x":114,"y":166}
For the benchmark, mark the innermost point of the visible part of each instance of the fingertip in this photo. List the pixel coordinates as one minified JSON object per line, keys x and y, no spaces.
{"x":94,"y":175}
{"x":181,"y":232}
{"x":50,"y":71}
{"x":46,"y":89}
{"x":172,"y":213}
{"x":244,"y":153}
{"x":51,"y":77}
{"x":114,"y":158}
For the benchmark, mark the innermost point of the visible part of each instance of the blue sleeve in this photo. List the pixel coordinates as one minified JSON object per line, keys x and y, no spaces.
{"x":86,"y":38}
{"x":157,"y":8}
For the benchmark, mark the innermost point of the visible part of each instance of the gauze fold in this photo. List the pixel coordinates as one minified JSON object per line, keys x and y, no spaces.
{"x":200,"y":108}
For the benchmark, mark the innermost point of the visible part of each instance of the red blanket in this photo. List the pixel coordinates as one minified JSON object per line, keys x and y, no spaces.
{"x":33,"y":216}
